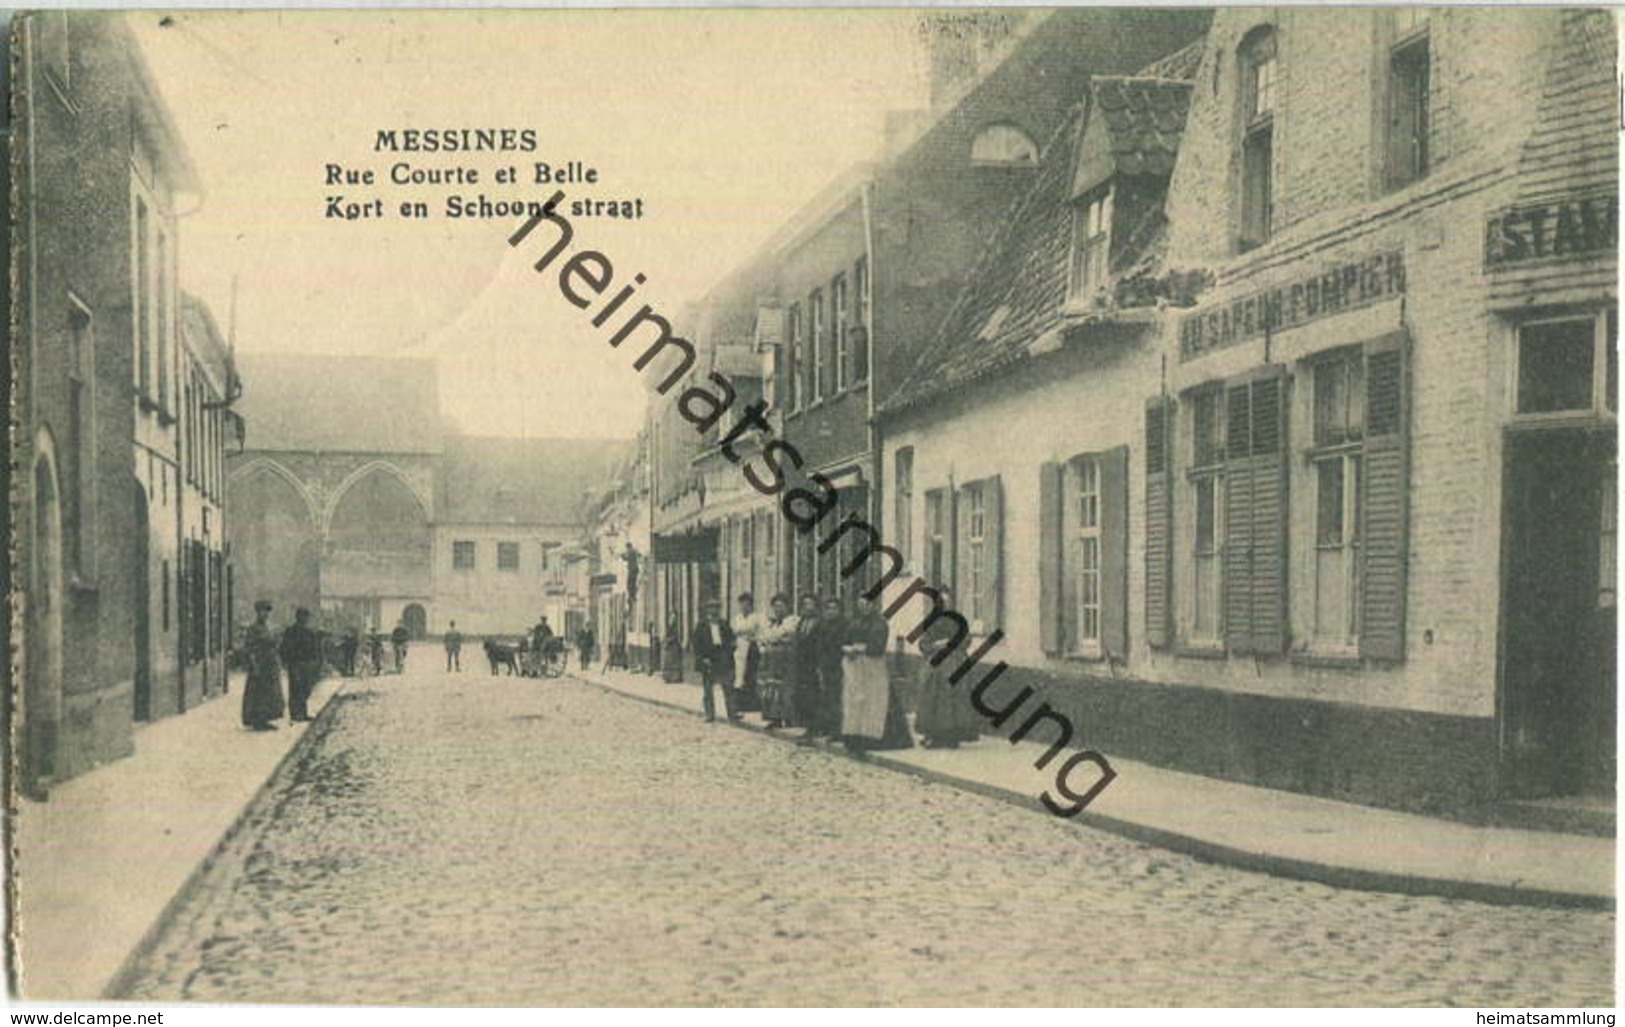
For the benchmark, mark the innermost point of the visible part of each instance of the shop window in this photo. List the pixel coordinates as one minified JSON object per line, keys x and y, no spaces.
{"x":462,"y":556}
{"x":1257,"y":60}
{"x":1091,"y":246}
{"x":1567,"y":366}
{"x":507,"y":556}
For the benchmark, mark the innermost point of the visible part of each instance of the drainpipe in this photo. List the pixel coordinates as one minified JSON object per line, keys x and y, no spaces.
{"x":877,"y":488}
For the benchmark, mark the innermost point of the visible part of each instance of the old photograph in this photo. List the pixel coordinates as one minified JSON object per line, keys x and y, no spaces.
{"x":812,"y":507}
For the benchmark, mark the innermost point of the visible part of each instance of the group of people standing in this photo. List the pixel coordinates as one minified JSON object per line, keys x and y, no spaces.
{"x":820,"y":669}
{"x":299,"y":649}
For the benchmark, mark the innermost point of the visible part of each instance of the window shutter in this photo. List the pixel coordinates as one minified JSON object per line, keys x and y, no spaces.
{"x":1384,"y":551}
{"x":1158,"y":524}
{"x":1114,"y":552}
{"x":993,"y":497}
{"x":1238,"y":520}
{"x":956,"y":548}
{"x":1050,"y":566}
{"x":1269,"y":508}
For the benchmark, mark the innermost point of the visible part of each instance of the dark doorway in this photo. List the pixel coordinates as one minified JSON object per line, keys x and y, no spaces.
{"x":142,"y":584}
{"x":1558,"y":614}
{"x":416,"y":621}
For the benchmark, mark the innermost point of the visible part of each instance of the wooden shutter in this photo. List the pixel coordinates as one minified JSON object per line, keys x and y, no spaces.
{"x":1050,"y":564}
{"x":1385,"y":483}
{"x":1269,"y":504}
{"x":1114,"y":552}
{"x":993,"y":500}
{"x":1158,"y":523}
{"x":1238,"y":519}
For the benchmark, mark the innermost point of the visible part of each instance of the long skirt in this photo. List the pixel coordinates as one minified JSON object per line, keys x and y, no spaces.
{"x":778,"y":691}
{"x":262,"y":697}
{"x":944,"y":714}
{"x":747,"y":691}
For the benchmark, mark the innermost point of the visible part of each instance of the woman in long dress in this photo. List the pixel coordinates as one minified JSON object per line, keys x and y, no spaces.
{"x":776,"y":641}
{"x":262,"y":697}
{"x":944,"y":715}
{"x":829,"y":649}
{"x":871,"y":711}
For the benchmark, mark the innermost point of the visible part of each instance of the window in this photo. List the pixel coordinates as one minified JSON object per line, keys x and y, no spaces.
{"x":165,"y":347}
{"x":903,"y":498}
{"x":977,"y":585}
{"x":507,"y":556}
{"x":80,"y":472}
{"x":838,"y":328}
{"x":797,"y":356}
{"x":817,"y":362}
{"x":1091,"y":246}
{"x":1409,"y":70}
{"x":1204,"y":611}
{"x":462,"y":556}
{"x":143,"y":301}
{"x":1085,"y":570}
{"x":860,"y":319}
{"x":1568,"y":366}
{"x":1335,"y":460}
{"x":936,"y":537}
{"x":1258,"y":99}
{"x":1003,"y":144}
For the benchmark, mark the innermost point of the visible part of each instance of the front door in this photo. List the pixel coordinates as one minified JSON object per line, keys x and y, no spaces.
{"x":1558,"y":614}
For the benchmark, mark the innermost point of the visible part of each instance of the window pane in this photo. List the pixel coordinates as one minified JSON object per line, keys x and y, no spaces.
{"x":1208,"y":429}
{"x":1329,"y":505}
{"x":1554,"y":366}
{"x":1206,"y":497}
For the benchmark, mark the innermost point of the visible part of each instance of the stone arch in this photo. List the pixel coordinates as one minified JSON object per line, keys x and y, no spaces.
{"x":361,"y":473}
{"x":276,"y":467}
{"x":275,"y":536}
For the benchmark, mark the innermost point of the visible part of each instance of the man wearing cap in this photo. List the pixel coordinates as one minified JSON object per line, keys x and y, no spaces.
{"x":262,"y":698}
{"x":301,"y":653}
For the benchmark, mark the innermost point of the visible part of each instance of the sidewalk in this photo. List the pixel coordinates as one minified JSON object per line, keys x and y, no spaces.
{"x":1284,"y":833}
{"x":98,"y":863}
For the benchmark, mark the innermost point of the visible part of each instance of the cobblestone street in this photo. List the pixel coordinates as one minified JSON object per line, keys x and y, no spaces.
{"x":460,"y":840}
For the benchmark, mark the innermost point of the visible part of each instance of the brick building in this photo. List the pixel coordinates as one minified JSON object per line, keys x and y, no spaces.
{"x":826,"y":318}
{"x":122,"y":388}
{"x":1344,"y":525}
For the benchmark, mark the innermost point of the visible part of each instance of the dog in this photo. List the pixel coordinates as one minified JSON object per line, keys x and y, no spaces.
{"x":502,"y":654}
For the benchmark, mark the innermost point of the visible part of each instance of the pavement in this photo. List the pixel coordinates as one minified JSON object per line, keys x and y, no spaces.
{"x":96,"y":866}
{"x":1283,"y":833}
{"x":171,"y":809}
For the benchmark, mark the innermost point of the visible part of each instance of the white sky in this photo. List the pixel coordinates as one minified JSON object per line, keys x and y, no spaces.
{"x":723,"y":121}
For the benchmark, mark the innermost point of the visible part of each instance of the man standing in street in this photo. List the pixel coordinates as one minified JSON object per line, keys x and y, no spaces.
{"x":713,"y":644}
{"x":301,"y":652}
{"x":399,"y":637}
{"x":454,"y":649}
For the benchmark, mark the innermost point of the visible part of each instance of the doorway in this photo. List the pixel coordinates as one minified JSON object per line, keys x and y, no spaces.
{"x":1558,"y":700}
{"x":416,"y":621}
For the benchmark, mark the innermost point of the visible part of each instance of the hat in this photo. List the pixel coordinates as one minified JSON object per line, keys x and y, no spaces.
{"x":262,"y":606}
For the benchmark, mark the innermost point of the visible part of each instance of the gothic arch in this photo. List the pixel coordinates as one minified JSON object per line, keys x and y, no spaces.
{"x":360,"y":474}
{"x":265,"y":463}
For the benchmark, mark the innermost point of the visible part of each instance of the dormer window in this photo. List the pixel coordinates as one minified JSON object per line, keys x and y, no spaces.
{"x":1003,"y":144}
{"x":1256,"y":60}
{"x":1091,"y":245}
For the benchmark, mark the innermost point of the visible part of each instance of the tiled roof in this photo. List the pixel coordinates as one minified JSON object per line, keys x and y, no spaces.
{"x":310,"y":402}
{"x":1017,"y":293}
{"x":1179,"y":66}
{"x":1143,"y":118}
{"x":487,"y":480}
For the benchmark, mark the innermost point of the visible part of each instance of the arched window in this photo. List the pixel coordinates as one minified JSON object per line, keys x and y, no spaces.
{"x":1256,"y":62}
{"x":1003,"y":144}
